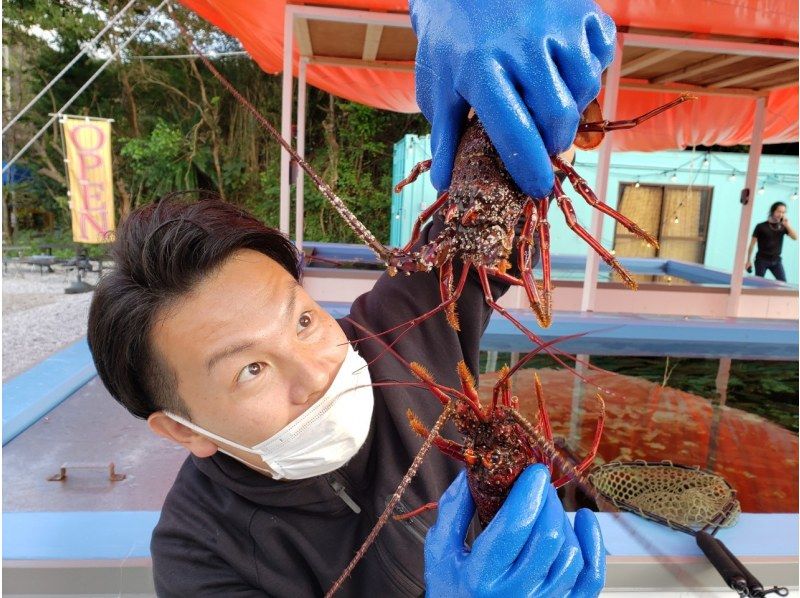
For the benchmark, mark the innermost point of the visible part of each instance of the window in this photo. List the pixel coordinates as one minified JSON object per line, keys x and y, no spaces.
{"x":675,"y":215}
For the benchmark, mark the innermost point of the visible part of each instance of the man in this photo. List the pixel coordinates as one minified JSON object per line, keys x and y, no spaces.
{"x":768,"y":236}
{"x":296,"y":447}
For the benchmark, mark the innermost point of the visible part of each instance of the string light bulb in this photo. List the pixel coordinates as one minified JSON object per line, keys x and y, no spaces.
{"x":794,"y":195}
{"x":676,"y":221}
{"x":761,"y":189}
{"x":732,"y":176}
{"x":706,"y":161}
{"x":638,"y":184}
{"x":674,"y":177}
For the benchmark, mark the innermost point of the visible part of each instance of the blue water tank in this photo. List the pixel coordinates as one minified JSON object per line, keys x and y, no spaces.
{"x":415,"y":197}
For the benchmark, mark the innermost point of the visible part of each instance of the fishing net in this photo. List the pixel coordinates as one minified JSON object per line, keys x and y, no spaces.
{"x":689,"y":499}
{"x":680,"y":496}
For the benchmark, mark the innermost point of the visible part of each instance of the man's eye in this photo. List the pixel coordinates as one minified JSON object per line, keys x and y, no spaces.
{"x":250,"y":372}
{"x":304,"y":321}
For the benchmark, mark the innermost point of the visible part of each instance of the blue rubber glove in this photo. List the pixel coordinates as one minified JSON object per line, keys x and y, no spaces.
{"x":528,"y":67}
{"x":528,"y":549}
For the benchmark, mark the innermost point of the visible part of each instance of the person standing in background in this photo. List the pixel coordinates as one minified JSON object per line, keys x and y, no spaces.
{"x":769,"y":236}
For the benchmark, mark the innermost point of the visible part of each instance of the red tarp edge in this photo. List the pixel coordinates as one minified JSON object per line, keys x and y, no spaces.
{"x":723,"y":120}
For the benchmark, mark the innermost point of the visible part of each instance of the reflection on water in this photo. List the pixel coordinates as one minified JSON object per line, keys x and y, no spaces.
{"x":645,"y":420}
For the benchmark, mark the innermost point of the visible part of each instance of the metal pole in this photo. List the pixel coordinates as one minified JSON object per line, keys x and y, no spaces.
{"x":90,"y":45}
{"x":97,"y":73}
{"x":601,"y":182}
{"x":286,"y":117}
{"x":299,"y":202}
{"x":753,"y":158}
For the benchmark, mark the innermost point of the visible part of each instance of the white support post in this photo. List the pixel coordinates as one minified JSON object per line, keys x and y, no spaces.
{"x":299,"y":201}
{"x":286,"y":117}
{"x":753,"y":158}
{"x":601,"y":182}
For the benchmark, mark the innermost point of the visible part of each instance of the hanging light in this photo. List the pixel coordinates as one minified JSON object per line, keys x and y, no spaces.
{"x":638,"y":184}
{"x":761,"y":189}
{"x":732,"y":176}
{"x":674,"y":177}
{"x":794,"y":195}
{"x":676,"y":221}
{"x":706,"y":161}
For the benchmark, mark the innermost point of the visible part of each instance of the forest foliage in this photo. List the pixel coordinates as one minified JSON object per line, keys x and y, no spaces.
{"x":175,"y":127}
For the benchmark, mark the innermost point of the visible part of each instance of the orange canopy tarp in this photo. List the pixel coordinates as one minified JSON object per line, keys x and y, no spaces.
{"x":725,"y":120}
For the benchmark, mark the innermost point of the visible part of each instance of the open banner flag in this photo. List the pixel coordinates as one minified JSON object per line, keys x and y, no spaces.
{"x":88,"y":144}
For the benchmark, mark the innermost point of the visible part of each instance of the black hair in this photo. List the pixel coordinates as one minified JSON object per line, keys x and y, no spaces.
{"x":775,"y":206}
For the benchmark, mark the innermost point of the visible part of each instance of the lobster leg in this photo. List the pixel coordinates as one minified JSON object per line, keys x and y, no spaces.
{"x":544,"y":418}
{"x":446,"y":292}
{"x":423,"y":166}
{"x":588,"y":459}
{"x":544,"y":252}
{"x":448,"y":447}
{"x":569,"y":214}
{"x":502,"y":389}
{"x":543,"y":421}
{"x":430,"y":506}
{"x":582,"y":187}
{"x":616,"y":125}
{"x":408,"y":325}
{"x":427,"y":213}
{"x":483,"y":275}
{"x":525,"y":245}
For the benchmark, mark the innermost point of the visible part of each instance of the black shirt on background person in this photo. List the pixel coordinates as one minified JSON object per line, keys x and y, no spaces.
{"x":768,"y":236}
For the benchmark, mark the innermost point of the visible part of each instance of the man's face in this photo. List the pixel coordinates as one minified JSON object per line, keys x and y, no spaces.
{"x":250,"y":349}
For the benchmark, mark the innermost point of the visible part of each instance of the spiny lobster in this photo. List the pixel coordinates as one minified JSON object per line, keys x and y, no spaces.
{"x":498,"y":441}
{"x":483,"y":205}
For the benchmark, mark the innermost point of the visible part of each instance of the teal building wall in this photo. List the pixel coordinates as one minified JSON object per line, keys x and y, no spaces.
{"x":723,"y":172}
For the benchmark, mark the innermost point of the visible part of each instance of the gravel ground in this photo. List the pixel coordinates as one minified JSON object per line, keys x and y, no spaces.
{"x":38,"y":317}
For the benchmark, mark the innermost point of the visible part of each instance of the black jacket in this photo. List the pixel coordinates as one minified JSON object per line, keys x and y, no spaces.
{"x":226,"y":530}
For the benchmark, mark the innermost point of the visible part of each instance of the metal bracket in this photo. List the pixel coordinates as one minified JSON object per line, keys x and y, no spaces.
{"x":744,"y":196}
{"x":62,"y":474}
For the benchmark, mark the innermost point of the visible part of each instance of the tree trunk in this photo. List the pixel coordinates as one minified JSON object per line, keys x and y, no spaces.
{"x":211,"y":121}
{"x":331,"y":174}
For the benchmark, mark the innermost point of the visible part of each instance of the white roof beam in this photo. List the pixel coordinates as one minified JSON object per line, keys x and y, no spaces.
{"x":789,"y":65}
{"x":372,"y":41}
{"x":646,"y":60}
{"x":386,"y":65}
{"x":640,"y":85}
{"x":303,"y":37}
{"x":698,"y":68}
{"x":715,"y":46}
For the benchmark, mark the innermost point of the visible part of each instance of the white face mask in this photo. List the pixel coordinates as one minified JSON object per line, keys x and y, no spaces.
{"x":324,"y":437}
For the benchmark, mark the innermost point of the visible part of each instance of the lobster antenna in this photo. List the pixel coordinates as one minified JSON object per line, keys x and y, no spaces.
{"x":351,"y":219}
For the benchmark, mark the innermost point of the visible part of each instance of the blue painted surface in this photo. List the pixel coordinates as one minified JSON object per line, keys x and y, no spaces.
{"x":696,"y":273}
{"x":85,"y":535}
{"x":641,"y":335}
{"x":126,"y":534}
{"x":30,"y":395}
{"x":777,"y":174}
{"x":78,"y":535}
{"x":754,"y":535}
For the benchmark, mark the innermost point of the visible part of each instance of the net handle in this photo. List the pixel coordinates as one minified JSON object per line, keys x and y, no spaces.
{"x":735,"y":574}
